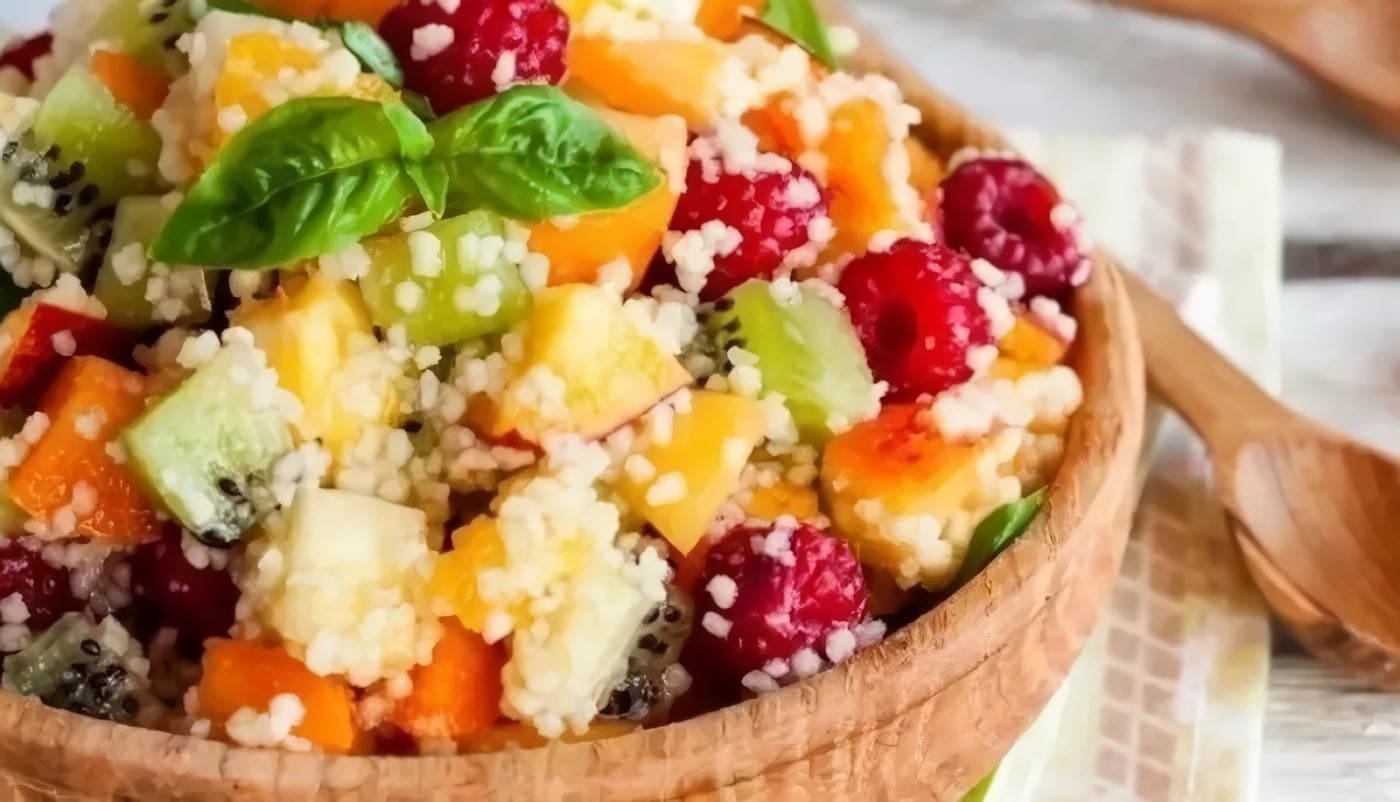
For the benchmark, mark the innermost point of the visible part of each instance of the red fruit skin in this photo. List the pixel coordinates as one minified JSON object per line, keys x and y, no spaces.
{"x":43,"y":587}
{"x":779,"y":608}
{"x":31,"y":362}
{"x":536,"y":31}
{"x":915,"y":309}
{"x":170,"y":592}
{"x":758,"y":206}
{"x":22,"y":53}
{"x":1002,"y":210}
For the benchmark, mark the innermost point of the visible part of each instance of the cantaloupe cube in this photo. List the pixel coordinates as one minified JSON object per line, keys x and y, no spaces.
{"x":862,"y":201}
{"x":683,"y":482}
{"x":653,"y":77}
{"x":1029,"y":342}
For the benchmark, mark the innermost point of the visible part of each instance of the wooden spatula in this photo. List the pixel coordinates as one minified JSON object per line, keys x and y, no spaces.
{"x":1350,"y":47}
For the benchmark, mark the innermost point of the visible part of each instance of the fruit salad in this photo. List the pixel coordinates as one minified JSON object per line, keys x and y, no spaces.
{"x":424,"y":376}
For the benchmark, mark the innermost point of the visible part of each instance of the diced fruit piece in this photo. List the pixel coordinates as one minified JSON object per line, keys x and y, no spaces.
{"x":454,"y":57}
{"x":724,"y":19}
{"x":145,"y":30}
{"x":367,"y":11}
{"x":38,"y":347}
{"x":371,"y":561}
{"x":240,"y":674}
{"x":179,"y":588}
{"x":252,"y":59}
{"x":862,"y":201}
{"x":771,"y":213}
{"x":118,"y":150}
{"x":312,"y":333}
{"x":770,"y":591}
{"x":43,"y":587}
{"x":806,"y":350}
{"x":138,"y":293}
{"x":891,"y":484}
{"x":459,"y":692}
{"x":654,"y":681}
{"x":1030,"y":343}
{"x":477,"y":547}
{"x":652,"y":77}
{"x":782,"y":498}
{"x":1000,"y":209}
{"x":701,"y":463}
{"x":82,"y":667}
{"x":207,"y":449}
{"x":21,"y":54}
{"x":134,"y":85}
{"x":70,"y":473}
{"x":915,"y":308}
{"x":775,"y":125}
{"x":578,"y":248}
{"x":586,"y":368}
{"x":523,"y":736}
{"x":448,"y":283}
{"x":926,"y":170}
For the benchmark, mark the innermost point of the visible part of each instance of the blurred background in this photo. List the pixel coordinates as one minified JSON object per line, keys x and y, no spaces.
{"x":1292,"y":261}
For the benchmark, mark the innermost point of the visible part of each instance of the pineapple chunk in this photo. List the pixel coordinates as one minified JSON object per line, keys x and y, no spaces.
{"x":899,"y":494}
{"x":318,"y":337}
{"x":345,"y":583}
{"x":701,"y":463}
{"x":585,"y":368}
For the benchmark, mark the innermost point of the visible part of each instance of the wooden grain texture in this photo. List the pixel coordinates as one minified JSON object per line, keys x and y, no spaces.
{"x":1351,"y":48}
{"x":1313,"y":510}
{"x":923,"y":715}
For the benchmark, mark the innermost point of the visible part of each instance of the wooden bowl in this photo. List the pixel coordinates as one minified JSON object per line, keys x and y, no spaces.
{"x":923,"y":715}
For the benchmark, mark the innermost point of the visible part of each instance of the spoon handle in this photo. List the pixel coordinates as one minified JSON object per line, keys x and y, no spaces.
{"x":1216,"y":398}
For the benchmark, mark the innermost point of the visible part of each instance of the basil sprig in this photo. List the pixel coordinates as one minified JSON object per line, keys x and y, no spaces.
{"x":532,"y":152}
{"x":316,"y":175}
{"x":309,"y":177}
{"x":799,"y":21}
{"x":372,"y":51}
{"x":998,"y":530}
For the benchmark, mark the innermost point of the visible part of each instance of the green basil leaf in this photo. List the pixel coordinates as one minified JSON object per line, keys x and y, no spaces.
{"x":419,"y":105}
{"x":430,"y":178}
{"x":997,"y":531}
{"x":311,"y":176}
{"x":373,"y":52}
{"x":531,"y":152}
{"x":799,"y":21}
{"x":415,"y":141}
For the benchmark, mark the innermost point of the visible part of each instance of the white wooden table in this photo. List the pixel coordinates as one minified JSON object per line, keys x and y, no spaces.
{"x":1066,"y":65}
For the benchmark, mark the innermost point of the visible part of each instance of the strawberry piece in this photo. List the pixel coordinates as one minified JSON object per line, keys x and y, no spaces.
{"x":39,"y":337}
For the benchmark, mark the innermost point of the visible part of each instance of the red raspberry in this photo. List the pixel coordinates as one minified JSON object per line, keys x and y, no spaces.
{"x":171,"y":592}
{"x":1002,"y":210}
{"x":916,"y":311}
{"x":768,"y":592}
{"x":22,"y":53}
{"x":42,"y":587}
{"x":772,"y":212}
{"x":457,"y":65}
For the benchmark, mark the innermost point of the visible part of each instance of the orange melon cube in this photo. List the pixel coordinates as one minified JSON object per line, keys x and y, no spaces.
{"x":239,"y":674}
{"x":890,"y":484}
{"x":579,"y":247}
{"x":134,"y":85}
{"x":926,"y":170}
{"x":456,"y":694}
{"x":708,"y":449}
{"x":783,"y":498}
{"x":1029,"y":342}
{"x":862,"y":201}
{"x":651,"y":77}
{"x":724,"y":19}
{"x":88,"y":404}
{"x":776,"y":127}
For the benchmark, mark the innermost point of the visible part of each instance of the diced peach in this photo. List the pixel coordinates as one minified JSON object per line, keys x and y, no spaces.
{"x":70,"y":468}
{"x":579,"y":247}
{"x":890,"y":467}
{"x":1029,"y":342}
{"x":926,"y":170}
{"x":523,"y":736}
{"x":254,"y":59}
{"x":586,"y":369}
{"x":34,"y":335}
{"x":708,"y":449}
{"x":783,"y":498}
{"x":458,"y":693}
{"x":239,"y":674}
{"x":134,"y":85}
{"x":861,"y":198}
{"x":652,"y":77}
{"x":776,"y":127}
{"x":724,"y":19}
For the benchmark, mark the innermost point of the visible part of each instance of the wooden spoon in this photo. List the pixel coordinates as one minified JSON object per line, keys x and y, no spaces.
{"x":1316,"y":514}
{"x":1350,"y":47}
